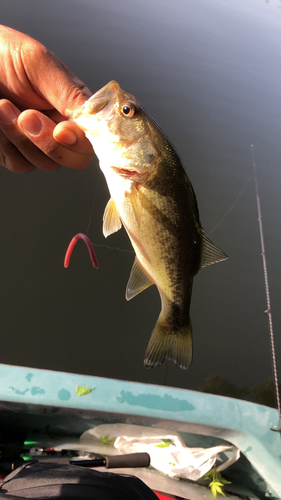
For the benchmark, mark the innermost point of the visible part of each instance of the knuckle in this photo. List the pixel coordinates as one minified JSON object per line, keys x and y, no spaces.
{"x":7,"y":154}
{"x":13,"y":161}
{"x":51,"y":149}
{"x":74,"y":95}
{"x":54,"y":153}
{"x":11,"y":158}
{"x":33,"y":49}
{"x":3,"y":159}
{"x":49,"y":158}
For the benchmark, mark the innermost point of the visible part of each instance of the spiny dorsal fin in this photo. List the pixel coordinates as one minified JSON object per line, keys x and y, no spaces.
{"x":138,"y":281}
{"x":133,"y":196}
{"x":111,"y":219}
{"x":211,"y":253}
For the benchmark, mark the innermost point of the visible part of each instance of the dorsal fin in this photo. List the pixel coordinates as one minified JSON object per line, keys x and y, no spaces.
{"x":138,"y":281}
{"x":111,"y":219}
{"x":211,"y":253}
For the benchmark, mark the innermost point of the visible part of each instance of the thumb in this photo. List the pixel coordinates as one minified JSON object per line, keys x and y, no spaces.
{"x":52,"y":79}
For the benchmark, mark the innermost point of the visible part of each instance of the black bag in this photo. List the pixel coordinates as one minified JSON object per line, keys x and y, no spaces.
{"x":68,"y":482}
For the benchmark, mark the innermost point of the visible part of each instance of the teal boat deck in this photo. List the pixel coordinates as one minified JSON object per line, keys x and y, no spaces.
{"x":45,"y":403}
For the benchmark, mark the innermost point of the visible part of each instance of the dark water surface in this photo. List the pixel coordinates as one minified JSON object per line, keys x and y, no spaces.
{"x":210,"y":74}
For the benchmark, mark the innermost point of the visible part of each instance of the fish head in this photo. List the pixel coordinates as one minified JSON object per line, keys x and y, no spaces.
{"x":120,"y":131}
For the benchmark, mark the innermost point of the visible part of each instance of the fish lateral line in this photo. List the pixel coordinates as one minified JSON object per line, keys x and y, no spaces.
{"x":84,"y":237}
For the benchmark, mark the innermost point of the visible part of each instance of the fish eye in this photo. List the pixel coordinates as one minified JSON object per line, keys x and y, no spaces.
{"x":128,"y":109}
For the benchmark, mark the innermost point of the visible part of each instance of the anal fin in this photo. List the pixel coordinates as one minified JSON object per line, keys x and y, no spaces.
{"x":138,"y":281}
{"x":111,"y":219}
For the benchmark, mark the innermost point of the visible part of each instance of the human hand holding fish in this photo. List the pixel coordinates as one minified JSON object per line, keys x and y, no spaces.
{"x":151,"y":194}
{"x":38,"y":92}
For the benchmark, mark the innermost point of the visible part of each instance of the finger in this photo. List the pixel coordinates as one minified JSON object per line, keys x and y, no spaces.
{"x":33,"y":77}
{"x":70,"y":135}
{"x":28,"y":156}
{"x":39,"y":129}
{"x":11,"y":158}
{"x":68,"y":93}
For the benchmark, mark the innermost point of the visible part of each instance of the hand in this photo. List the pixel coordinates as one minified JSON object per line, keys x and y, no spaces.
{"x":37,"y":93}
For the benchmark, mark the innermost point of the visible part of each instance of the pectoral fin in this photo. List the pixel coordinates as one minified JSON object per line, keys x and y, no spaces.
{"x":133,"y":196}
{"x":111,"y":219}
{"x":211,"y":253}
{"x":138,"y":281}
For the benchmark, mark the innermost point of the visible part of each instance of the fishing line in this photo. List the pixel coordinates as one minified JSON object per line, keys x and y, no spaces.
{"x":113,"y":248}
{"x":94,"y":201}
{"x":233,"y":205}
{"x":268,"y":311}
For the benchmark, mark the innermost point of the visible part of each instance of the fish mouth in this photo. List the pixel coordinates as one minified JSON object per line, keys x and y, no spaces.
{"x":97,"y":102}
{"x":102,"y":97}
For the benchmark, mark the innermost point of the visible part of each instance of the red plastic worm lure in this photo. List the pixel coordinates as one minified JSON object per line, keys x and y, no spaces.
{"x":81,"y":236}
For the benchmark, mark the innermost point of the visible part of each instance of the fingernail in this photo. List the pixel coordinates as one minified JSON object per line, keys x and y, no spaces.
{"x":31,"y":124}
{"x":66,"y":136}
{"x":7,"y":113}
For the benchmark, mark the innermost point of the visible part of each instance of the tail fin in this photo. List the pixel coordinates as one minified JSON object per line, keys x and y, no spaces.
{"x":166,"y":344}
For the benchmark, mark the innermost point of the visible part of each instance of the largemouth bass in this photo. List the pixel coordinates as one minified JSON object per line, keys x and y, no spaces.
{"x":152,"y":196}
